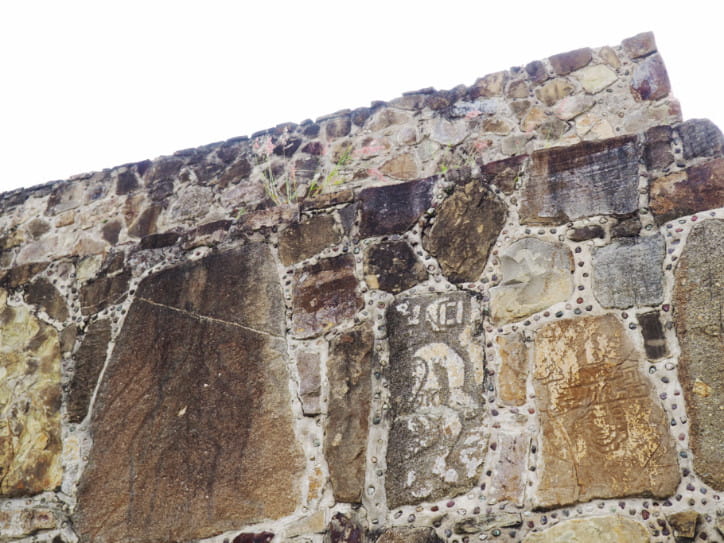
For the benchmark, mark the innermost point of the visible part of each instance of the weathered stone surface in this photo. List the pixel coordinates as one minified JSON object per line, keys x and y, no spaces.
{"x":338,"y":127}
{"x":106,"y":290}
{"x":350,"y":383}
{"x":591,"y":178}
{"x":603,"y":435}
{"x":565,"y":63}
{"x":488,"y":521}
{"x":608,"y":529}
{"x":699,"y":188}
{"x":657,"y":152}
{"x":89,"y":361}
{"x":629,"y":271}
{"x":572,"y":106}
{"x":700,"y":137}
{"x":436,"y":442}
{"x":310,"y":382}
{"x":514,"y":368}
{"x":504,"y":173}
{"x":554,"y":90}
{"x":307,"y":238}
{"x":324,"y":294}
{"x":489,"y":85}
{"x":42,"y":293}
{"x":466,"y":226}
{"x":20,"y":275}
{"x":409,"y":535}
{"x":536,"y":71}
{"x":650,"y":80}
{"x":639,"y":45}
{"x":248,"y":537}
{"x":401,"y":167}
{"x":507,"y":482}
{"x":627,"y":228}
{"x":594,"y":79}
{"x":393,"y":266}
{"x":159,"y":241}
{"x":393,"y":209}
{"x":584,"y":233}
{"x":684,"y":523}
{"x":30,"y":399}
{"x":653,"y":334}
{"x":187,"y":445}
{"x":16,"y":524}
{"x":343,"y":529}
{"x":698,"y":308}
{"x":536,"y":274}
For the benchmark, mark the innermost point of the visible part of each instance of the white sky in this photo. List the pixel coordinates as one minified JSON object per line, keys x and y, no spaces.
{"x":91,"y":85}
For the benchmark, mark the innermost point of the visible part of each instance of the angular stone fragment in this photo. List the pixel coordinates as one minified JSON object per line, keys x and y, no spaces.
{"x":324,"y":295}
{"x":89,"y":361}
{"x":565,"y":63}
{"x":603,"y":434}
{"x":507,"y":482}
{"x":514,"y":367}
{"x":104,"y":291}
{"x":192,"y":427}
{"x":657,"y":152}
{"x":572,"y":106}
{"x":41,"y":292}
{"x":700,"y":137}
{"x":536,"y":71}
{"x":16,"y":524}
{"x":608,"y":529}
{"x":393,"y":209}
{"x":30,"y":398}
{"x":554,"y":90}
{"x":639,"y":45}
{"x":409,"y":535}
{"x":343,"y":529}
{"x":436,"y":441}
{"x":338,"y":127}
{"x":307,"y":238}
{"x":310,"y":382}
{"x":447,"y":132}
{"x":698,"y":308}
{"x":466,"y":226}
{"x":489,"y":85}
{"x":653,"y":334}
{"x":350,"y":382}
{"x":684,"y":523}
{"x":650,"y":80}
{"x":679,"y":194}
{"x":594,"y":79}
{"x":159,"y":241}
{"x":536,"y":274}
{"x":393,"y":266}
{"x":629,"y":271}
{"x":586,"y":232}
{"x":504,"y":173}
{"x":488,"y":521}
{"x":591,"y":178}
{"x":401,"y":167}
{"x":20,"y":275}
{"x":627,"y":228}
{"x":247,"y":537}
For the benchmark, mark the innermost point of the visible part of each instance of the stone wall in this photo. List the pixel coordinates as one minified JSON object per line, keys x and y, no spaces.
{"x":488,"y":313}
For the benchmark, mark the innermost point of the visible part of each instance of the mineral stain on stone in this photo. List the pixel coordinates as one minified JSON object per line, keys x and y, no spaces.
{"x":197,"y":377}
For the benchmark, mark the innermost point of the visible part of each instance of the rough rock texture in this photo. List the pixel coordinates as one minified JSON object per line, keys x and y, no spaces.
{"x":310,"y":382}
{"x":177,"y":452}
{"x":30,"y":399}
{"x":42,"y":293}
{"x":684,"y":523}
{"x":104,"y":291}
{"x":350,"y":382}
{"x":653,"y":334}
{"x":508,"y":479}
{"x":628,"y":272}
{"x":609,"y":529}
{"x":591,"y":178}
{"x":650,"y":80}
{"x":466,"y":226}
{"x":699,"y":306}
{"x":700,"y":137}
{"x":684,"y":193}
{"x":536,"y":275}
{"x":603,"y":434}
{"x":89,"y":361}
{"x":409,"y":535}
{"x":15,"y":524}
{"x":514,"y":369}
{"x":392,"y":209}
{"x":324,"y":295}
{"x":304,"y":239}
{"x":436,"y":444}
{"x":392,"y":266}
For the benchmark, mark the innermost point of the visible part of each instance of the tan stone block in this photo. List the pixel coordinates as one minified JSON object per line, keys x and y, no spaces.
{"x":514,"y":368}
{"x":609,"y":529}
{"x":594,"y":79}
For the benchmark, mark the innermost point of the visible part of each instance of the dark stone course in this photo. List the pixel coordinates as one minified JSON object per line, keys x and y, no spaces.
{"x":126,"y":182}
{"x":653,"y":334}
{"x":145,"y":224}
{"x":536,"y":71}
{"x":343,"y":529}
{"x":392,"y":266}
{"x":627,"y":228}
{"x":699,"y":188}
{"x":106,"y":290}
{"x":111,"y":231}
{"x":20,"y":275}
{"x":313,"y":148}
{"x":307,"y":238}
{"x":393,"y":209}
{"x":350,"y":382}
{"x":338,"y":127}
{"x":41,"y":292}
{"x":158,"y":241}
{"x":639,"y":45}
{"x":586,"y":232}
{"x":657,"y":152}
{"x":236,"y":172}
{"x":466,"y":226}
{"x":164,"y":168}
{"x":192,"y":432}
{"x":565,"y":63}
{"x":89,"y":361}
{"x":504,"y":173}
{"x":288,"y":147}
{"x":324,"y":295}
{"x":700,"y":138}
{"x":698,"y":302}
{"x":590,"y":178}
{"x":261,"y":537}
{"x":322,"y":201}
{"x":650,"y":80}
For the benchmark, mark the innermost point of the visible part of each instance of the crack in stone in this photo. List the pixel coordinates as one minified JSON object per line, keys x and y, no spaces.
{"x":212,"y":319}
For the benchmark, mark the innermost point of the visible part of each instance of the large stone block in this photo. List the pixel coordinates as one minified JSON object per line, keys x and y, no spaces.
{"x":591,"y":178}
{"x":536,"y":274}
{"x":307,"y":238}
{"x":393,"y":209}
{"x":466,"y":226}
{"x":192,"y":427}
{"x":89,"y":361}
{"x":629,"y":271}
{"x":603,"y":434}
{"x":30,"y":399}
{"x":437,"y":442}
{"x":698,"y":309}
{"x":608,"y":529}
{"x":393,"y":266}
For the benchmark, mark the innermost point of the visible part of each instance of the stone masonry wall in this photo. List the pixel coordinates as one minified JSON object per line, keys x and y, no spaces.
{"x":488,"y":313}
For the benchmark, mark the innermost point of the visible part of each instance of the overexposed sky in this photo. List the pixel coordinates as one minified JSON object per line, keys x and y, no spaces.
{"x":87,"y":85}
